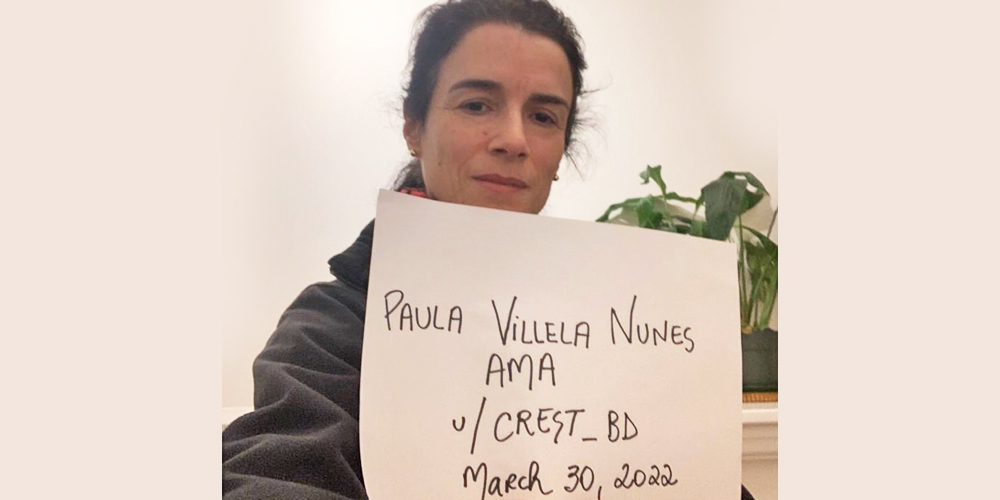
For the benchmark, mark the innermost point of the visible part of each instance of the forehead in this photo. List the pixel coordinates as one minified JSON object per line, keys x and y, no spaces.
{"x":513,"y":57}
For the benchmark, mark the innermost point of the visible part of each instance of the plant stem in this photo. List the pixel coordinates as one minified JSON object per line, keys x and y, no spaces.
{"x":744,"y":302}
{"x":771,"y":308}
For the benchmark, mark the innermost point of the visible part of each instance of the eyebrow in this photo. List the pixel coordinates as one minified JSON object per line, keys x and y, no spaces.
{"x":492,"y":86}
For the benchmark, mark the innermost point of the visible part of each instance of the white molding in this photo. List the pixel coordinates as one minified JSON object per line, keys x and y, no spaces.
{"x":760,"y":428}
{"x":760,"y":431}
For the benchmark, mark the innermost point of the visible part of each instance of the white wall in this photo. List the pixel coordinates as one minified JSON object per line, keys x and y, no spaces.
{"x":688,"y":85}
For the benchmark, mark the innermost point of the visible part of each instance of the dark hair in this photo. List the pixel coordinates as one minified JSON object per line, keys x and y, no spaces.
{"x":443,"y":25}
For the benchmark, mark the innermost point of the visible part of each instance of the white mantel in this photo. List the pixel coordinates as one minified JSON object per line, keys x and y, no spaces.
{"x":760,"y":431}
{"x":760,"y":450}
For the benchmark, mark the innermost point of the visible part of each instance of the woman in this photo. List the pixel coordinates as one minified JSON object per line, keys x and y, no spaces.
{"x":489,"y":112}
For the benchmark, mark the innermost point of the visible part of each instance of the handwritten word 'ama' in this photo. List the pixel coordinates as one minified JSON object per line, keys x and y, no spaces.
{"x":498,"y":368}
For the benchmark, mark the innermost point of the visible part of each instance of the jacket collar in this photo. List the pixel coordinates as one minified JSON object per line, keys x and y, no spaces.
{"x":353,"y":264}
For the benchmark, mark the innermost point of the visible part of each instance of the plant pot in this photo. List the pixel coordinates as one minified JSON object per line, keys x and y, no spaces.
{"x":760,"y":361}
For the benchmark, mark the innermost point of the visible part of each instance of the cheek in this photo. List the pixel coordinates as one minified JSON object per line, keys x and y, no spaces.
{"x":550,"y":153}
{"x":450,"y":148}
{"x":457,"y":145}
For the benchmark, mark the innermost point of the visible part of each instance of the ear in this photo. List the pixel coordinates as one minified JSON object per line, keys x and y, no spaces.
{"x":411,"y":132}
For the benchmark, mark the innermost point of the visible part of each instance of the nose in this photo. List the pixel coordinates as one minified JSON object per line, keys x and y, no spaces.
{"x":509,"y":138}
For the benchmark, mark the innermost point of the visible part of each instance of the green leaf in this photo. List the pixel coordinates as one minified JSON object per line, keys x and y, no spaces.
{"x":697,"y":228}
{"x":761,"y":267}
{"x":674,"y":196}
{"x":653,"y":173}
{"x":698,"y":204}
{"x":749,"y":177}
{"x":629,"y":203}
{"x":649,"y":216}
{"x":723,"y":199}
{"x":767,"y":307}
{"x":764,"y":240}
{"x":751,"y":197}
{"x":679,"y":223}
{"x":762,"y":262}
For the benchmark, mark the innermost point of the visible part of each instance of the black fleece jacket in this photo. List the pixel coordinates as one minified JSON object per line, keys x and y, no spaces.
{"x":301,"y":441}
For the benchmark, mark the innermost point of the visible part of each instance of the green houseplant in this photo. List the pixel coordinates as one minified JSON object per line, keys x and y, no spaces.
{"x":725,"y":200}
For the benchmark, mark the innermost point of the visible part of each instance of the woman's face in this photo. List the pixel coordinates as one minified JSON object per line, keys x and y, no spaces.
{"x":496,"y":126}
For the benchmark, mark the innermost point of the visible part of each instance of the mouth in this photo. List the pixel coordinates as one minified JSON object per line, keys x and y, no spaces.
{"x":500,"y":183}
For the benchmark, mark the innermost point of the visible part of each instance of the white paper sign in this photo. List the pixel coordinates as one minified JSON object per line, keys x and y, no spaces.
{"x":519,"y":356}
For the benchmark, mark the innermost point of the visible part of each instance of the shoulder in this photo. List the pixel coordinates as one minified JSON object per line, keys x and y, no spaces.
{"x":326,"y":319}
{"x":327,"y":300}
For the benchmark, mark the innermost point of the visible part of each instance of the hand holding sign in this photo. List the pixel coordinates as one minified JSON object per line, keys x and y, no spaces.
{"x":511,"y":354}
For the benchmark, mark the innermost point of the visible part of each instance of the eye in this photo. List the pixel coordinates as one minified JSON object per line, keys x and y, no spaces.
{"x":544,"y":118}
{"x":474,"y":107}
